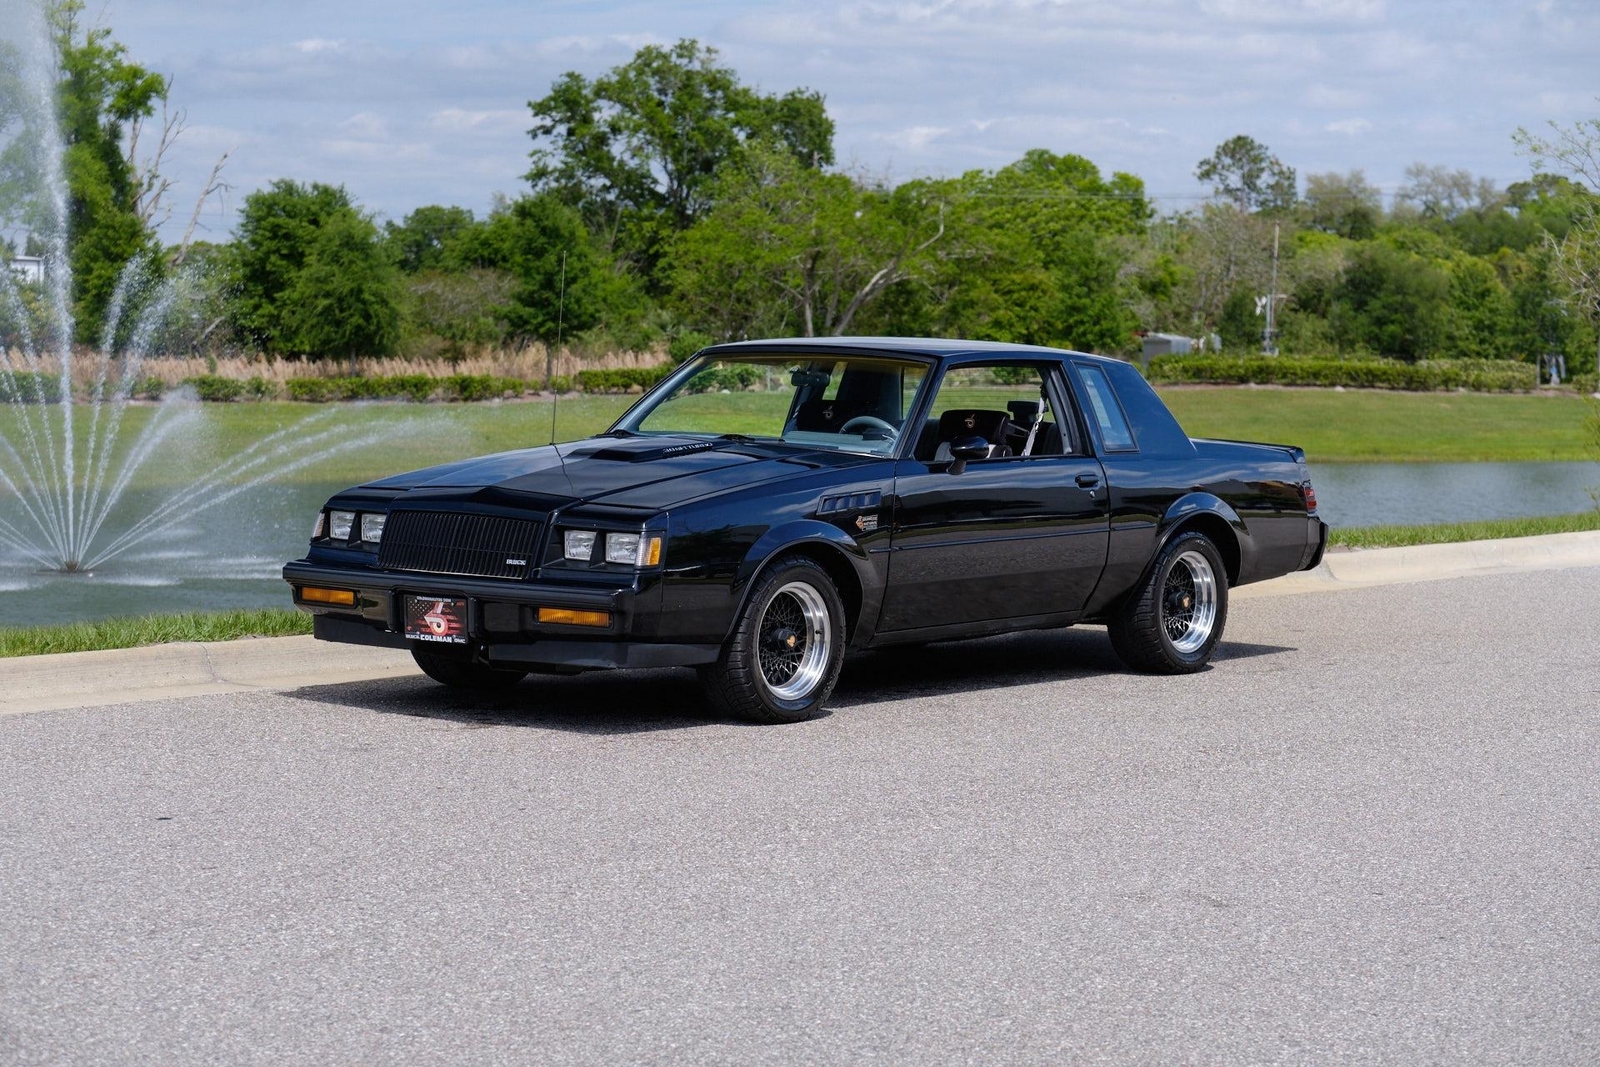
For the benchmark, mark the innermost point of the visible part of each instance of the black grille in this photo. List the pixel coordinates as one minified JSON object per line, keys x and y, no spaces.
{"x":439,"y":542}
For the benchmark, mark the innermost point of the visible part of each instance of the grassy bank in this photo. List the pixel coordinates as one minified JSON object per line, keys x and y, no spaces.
{"x":1365,"y":426}
{"x":1445,"y":533}
{"x":1332,"y":426}
{"x":151,"y":630}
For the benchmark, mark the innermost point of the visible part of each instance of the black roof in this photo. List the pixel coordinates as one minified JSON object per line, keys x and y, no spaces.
{"x":935,"y":347}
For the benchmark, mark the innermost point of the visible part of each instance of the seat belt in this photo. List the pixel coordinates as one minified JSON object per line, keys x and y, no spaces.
{"x":1038,"y":415}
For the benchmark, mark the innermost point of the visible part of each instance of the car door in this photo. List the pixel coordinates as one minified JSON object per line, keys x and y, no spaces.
{"x":1010,"y":536}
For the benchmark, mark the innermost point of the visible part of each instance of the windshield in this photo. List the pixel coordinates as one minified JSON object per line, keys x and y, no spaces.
{"x":853,"y":403}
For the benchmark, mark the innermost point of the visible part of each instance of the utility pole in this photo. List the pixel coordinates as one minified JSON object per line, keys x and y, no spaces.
{"x":1269,"y":335}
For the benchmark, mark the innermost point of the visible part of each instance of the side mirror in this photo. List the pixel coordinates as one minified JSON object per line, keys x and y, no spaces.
{"x":964,"y":448}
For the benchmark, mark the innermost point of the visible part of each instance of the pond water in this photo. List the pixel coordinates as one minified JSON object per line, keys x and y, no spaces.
{"x":1376,"y":494}
{"x":230,"y":557}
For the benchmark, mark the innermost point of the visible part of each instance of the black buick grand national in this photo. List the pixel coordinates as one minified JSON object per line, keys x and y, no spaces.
{"x":773,"y":503}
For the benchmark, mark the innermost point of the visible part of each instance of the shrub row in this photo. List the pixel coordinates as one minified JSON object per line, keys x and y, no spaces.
{"x":1484,"y":375}
{"x":29,"y":387}
{"x":414,"y":387}
{"x":620,"y":381}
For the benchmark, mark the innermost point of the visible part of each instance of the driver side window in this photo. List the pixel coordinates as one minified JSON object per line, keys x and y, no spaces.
{"x":1006,"y":404}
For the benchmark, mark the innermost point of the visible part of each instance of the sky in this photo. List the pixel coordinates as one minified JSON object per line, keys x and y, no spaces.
{"x":408,"y":103}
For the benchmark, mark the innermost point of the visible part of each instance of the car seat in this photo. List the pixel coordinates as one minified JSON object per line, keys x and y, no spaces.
{"x":973,"y":422}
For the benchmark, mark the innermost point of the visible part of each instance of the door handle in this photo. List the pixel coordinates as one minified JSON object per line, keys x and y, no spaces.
{"x":1088,"y":481}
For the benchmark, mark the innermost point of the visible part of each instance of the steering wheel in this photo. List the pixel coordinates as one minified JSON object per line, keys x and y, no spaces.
{"x":871,"y":422}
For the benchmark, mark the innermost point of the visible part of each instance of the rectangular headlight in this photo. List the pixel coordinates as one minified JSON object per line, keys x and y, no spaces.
{"x":638,"y":550}
{"x":339,"y":523}
{"x":372,"y":527}
{"x":578,"y":544}
{"x":622,"y":548}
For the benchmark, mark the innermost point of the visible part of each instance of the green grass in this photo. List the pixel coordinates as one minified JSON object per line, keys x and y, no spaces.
{"x":151,"y":630}
{"x":1351,"y":426}
{"x":1444,"y":533}
{"x":1365,"y":426}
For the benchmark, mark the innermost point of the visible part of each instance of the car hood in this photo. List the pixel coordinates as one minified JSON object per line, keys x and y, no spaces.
{"x":646,"y":472}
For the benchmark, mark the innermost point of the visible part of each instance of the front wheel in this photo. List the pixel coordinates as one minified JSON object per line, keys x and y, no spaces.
{"x":786,"y":650}
{"x":459,"y":674}
{"x":1171,"y":623}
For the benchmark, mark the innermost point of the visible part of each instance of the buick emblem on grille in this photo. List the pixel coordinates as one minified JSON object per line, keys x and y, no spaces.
{"x":516,"y":563}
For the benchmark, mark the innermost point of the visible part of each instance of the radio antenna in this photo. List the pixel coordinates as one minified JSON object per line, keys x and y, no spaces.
{"x":549,"y":354}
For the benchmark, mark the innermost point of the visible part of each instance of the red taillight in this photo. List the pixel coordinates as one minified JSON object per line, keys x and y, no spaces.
{"x":1309,"y":496}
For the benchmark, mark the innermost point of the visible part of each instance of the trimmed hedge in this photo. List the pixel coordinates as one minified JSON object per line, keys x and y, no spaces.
{"x":215,"y":389}
{"x":29,"y":387}
{"x":415,"y":387}
{"x":1480,"y":375}
{"x":620,"y":381}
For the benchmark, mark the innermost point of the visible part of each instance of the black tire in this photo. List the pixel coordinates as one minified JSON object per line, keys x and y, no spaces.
{"x":787,"y":647}
{"x":459,"y":674}
{"x":1172,"y":622}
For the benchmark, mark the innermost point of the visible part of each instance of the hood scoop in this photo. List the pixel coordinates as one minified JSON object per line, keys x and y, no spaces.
{"x":646,"y":451}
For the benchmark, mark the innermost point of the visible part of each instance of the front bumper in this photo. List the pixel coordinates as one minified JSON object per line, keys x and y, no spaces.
{"x":502,"y":627}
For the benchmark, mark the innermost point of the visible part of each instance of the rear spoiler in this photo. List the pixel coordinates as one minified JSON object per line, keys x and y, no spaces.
{"x":1295,"y":452}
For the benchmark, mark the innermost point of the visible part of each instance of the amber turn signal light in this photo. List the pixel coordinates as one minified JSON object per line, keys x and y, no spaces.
{"x":569,"y":617}
{"x":313,"y":594}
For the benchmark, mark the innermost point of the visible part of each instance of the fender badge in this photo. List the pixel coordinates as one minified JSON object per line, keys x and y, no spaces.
{"x":866,"y":523}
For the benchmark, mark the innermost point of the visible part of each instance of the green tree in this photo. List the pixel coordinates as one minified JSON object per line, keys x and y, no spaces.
{"x":344,"y":300}
{"x":787,"y":244}
{"x":1243,"y":172}
{"x":542,"y":243}
{"x":272,"y":241}
{"x":421,"y":241}
{"x":1343,"y":204}
{"x":637,"y":149}
{"x":1391,"y":302}
{"x":1575,"y":152}
{"x":100,"y":98}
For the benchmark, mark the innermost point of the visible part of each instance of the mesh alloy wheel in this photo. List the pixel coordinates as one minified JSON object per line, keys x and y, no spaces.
{"x":794,"y":641}
{"x":1189,"y":602}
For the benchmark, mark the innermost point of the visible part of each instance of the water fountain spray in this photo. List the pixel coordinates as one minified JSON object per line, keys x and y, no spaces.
{"x":68,"y":451}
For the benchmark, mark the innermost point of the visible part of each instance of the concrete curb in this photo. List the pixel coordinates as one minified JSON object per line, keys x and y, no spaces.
{"x":155,"y":672}
{"x":90,"y":679}
{"x":1424,"y":563}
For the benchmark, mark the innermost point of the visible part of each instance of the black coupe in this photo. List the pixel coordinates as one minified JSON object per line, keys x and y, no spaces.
{"x":773,"y":503}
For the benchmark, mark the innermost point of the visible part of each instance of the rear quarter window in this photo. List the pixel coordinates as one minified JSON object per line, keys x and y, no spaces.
{"x":1105,"y":410}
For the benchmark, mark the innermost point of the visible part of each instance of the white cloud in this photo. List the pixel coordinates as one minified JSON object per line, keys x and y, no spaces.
{"x":338,"y":93}
{"x":1349,"y":127}
{"x":500,"y":120}
{"x":1335,"y":97}
{"x":366,"y":126}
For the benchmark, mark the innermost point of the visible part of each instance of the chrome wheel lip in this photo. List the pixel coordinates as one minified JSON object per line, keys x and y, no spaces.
{"x":1193,"y":574}
{"x":817,"y":635}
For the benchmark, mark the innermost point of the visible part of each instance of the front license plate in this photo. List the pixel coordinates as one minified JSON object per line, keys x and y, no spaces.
{"x":441,"y":619}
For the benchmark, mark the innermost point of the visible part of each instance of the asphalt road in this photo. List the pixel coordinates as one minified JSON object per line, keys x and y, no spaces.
{"x":1370,"y":834}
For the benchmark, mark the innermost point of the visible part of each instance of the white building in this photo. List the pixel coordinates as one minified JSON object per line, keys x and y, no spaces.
{"x":27,"y":268}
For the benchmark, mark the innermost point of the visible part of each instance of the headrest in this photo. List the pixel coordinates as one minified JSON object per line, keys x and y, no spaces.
{"x":963,"y":422}
{"x":1023,"y":412}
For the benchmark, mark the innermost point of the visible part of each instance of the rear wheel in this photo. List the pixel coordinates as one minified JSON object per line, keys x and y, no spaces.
{"x":1172,"y":622}
{"x":787,"y":647}
{"x":459,"y":674}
